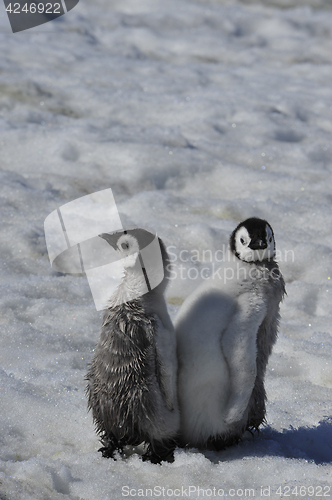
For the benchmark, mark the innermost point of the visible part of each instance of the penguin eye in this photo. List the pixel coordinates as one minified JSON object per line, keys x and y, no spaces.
{"x":125,"y":246}
{"x":270,"y":240}
{"x":242,"y":241}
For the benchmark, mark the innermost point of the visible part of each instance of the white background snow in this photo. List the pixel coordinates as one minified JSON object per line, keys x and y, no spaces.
{"x":197,"y":115}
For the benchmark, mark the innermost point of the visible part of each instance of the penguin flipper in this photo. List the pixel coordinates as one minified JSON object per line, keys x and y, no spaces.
{"x":163,"y":364}
{"x":164,"y":381}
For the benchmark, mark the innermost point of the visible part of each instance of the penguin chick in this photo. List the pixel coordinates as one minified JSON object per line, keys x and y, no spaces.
{"x":132,"y":378}
{"x":225,"y":332}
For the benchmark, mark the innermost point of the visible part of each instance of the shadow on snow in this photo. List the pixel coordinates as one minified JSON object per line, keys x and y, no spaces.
{"x":306,"y":443}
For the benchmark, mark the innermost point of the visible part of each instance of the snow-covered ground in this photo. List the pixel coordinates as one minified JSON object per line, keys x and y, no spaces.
{"x":197,"y":115}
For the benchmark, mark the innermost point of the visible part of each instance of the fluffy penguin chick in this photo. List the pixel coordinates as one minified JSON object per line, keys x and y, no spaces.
{"x":132,"y":378}
{"x":225,"y":333}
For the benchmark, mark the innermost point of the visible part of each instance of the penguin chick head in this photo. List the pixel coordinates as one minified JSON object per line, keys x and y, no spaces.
{"x":253,"y":240}
{"x":126,"y":246}
{"x":131,"y":242}
{"x":143,"y":273}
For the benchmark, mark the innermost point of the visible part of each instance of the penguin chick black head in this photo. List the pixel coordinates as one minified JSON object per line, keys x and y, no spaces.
{"x":253,"y":240}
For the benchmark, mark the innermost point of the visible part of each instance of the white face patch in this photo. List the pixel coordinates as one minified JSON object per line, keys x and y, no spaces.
{"x":247,"y":254}
{"x":128,"y":249}
{"x":242,"y":240}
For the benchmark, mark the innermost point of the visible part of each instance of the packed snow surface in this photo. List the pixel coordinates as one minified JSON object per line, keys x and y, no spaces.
{"x":197,"y":115}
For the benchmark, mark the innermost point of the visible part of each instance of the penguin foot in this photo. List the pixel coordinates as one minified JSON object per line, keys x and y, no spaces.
{"x":110,"y":446}
{"x":253,"y":426}
{"x":158,"y":452}
{"x":181,"y":443}
{"x":219,"y":443}
{"x":107,"y":452}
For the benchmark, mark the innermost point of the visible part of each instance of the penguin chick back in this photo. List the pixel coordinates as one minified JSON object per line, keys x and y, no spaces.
{"x":132,"y":378}
{"x":122,"y":373}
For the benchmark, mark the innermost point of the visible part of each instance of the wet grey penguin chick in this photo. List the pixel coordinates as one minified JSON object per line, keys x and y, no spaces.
{"x":225,"y":332}
{"x":132,"y":378}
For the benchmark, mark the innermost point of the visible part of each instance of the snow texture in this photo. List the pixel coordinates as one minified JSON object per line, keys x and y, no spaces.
{"x":198,"y":115}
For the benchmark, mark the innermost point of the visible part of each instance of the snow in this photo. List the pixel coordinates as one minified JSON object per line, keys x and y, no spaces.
{"x":197,"y":115}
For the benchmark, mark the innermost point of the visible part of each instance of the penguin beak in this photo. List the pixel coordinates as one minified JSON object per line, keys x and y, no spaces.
{"x":257,"y":244}
{"x":111,"y":239}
